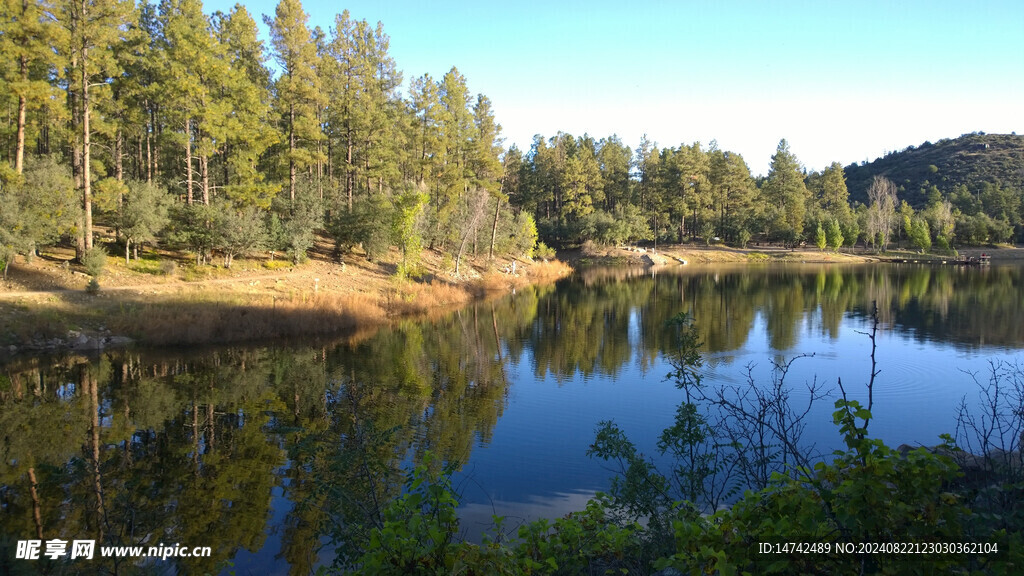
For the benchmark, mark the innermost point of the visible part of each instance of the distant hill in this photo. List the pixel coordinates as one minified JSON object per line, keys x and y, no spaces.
{"x":970,"y":160}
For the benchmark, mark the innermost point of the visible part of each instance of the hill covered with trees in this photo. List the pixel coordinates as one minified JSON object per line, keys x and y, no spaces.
{"x":970,"y":160}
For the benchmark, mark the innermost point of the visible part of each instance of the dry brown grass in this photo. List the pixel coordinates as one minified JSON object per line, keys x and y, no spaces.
{"x":202,"y":319}
{"x":548,"y":271}
{"x":493,"y":282}
{"x":320,"y":300}
{"x":414,"y":298}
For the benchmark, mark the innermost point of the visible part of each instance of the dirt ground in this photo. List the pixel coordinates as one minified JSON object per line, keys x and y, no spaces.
{"x":701,"y":254}
{"x":164,"y":298}
{"x":55,"y":271}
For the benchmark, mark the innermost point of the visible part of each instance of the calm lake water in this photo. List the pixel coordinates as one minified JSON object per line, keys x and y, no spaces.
{"x":269,"y":453}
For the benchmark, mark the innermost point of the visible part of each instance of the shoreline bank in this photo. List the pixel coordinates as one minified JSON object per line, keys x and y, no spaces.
{"x":44,"y":309}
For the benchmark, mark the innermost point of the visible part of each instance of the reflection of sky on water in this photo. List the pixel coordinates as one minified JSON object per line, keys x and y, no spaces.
{"x":268,"y":559}
{"x":539,"y":446}
{"x":476,"y":518}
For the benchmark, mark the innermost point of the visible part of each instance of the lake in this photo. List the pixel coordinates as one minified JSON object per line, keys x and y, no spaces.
{"x":274,"y":454}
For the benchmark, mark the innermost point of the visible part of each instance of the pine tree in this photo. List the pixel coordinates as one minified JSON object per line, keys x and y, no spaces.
{"x":298,"y":95}
{"x":246,"y":88}
{"x":835,"y":199}
{"x":93,"y":27}
{"x":195,"y":64}
{"x":28,"y":31}
{"x":834,"y":234}
{"x":361,"y":80}
{"x":615,"y":159}
{"x":733,"y":192}
{"x":456,"y":123}
{"x":786,"y":194}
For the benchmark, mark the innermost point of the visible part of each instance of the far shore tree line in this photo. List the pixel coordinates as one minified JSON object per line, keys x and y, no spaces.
{"x":170,"y":125}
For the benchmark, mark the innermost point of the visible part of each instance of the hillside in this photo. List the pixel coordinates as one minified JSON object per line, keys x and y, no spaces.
{"x":970,"y":160}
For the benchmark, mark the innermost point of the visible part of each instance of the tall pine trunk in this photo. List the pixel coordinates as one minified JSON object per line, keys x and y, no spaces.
{"x":291,"y":153}
{"x":19,"y":154}
{"x":86,"y":151}
{"x":188,"y":161}
{"x":204,"y":175}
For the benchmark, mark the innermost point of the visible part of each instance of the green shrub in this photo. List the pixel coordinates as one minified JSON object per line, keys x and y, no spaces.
{"x":94,"y":260}
{"x":544,"y":252}
{"x":168,"y":267}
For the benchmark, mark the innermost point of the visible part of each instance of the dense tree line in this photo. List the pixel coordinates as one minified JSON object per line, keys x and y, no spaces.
{"x":582,"y":189}
{"x":166,"y":123}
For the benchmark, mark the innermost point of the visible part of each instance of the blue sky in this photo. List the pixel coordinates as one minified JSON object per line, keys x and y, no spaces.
{"x":841,"y":81}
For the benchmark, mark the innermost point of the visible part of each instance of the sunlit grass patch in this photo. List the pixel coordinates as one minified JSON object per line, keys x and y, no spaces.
{"x":277,"y":264}
{"x":148,"y":264}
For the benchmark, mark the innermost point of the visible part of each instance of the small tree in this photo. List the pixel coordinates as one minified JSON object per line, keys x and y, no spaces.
{"x":707,"y":231}
{"x":882,"y":211}
{"x":238,"y":231}
{"x":192,"y":226}
{"x":143,"y":215}
{"x":744,"y":237}
{"x":920,"y":235}
{"x":407,"y":226}
{"x":6,"y":257}
{"x":37,"y":207}
{"x":94,"y":260}
{"x":834,"y":234}
{"x":299,"y":223}
{"x":819,"y":238}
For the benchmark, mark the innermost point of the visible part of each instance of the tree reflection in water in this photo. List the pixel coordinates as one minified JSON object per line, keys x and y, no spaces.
{"x":213,"y":447}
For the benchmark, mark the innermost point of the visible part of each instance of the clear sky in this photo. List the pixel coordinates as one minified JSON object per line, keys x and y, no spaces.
{"x":841,"y":81}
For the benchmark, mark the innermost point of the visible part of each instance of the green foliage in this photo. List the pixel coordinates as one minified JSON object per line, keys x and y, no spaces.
{"x":238,"y":231}
{"x":417,"y":536}
{"x":37,"y":207}
{"x":300,"y":221}
{"x":517,"y":235}
{"x":544,"y":252}
{"x":192,"y":226}
{"x":94,"y":260}
{"x":144,"y":213}
{"x":834,"y":234}
{"x":7,"y":255}
{"x":625,"y":224}
{"x":707,"y":232}
{"x":820,"y":239}
{"x":407,"y":228}
{"x":786,"y":194}
{"x":590,"y":541}
{"x":370,"y":224}
{"x":743,"y":237}
{"x":920,"y":236}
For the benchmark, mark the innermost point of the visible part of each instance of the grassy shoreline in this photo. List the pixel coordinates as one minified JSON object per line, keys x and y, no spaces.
{"x":45,"y":306}
{"x":45,"y":303}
